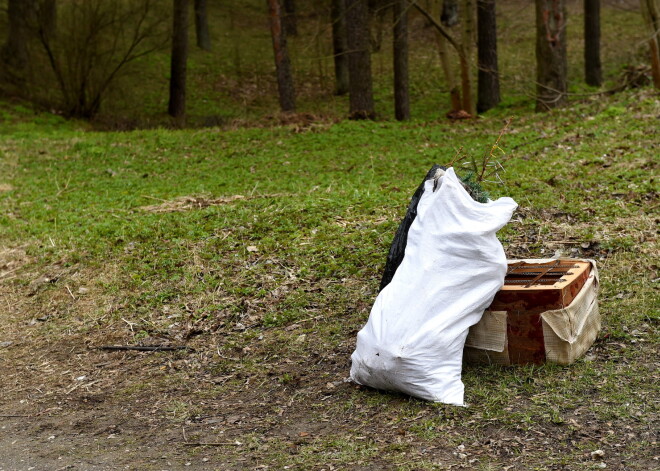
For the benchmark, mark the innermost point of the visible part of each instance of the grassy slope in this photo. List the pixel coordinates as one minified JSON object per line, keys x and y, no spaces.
{"x":271,"y":289}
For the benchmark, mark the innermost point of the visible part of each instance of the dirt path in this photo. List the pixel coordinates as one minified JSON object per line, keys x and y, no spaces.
{"x":130,"y":410}
{"x":278,"y":399}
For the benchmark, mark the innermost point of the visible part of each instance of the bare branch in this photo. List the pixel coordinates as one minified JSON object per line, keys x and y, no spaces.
{"x":437,"y":25}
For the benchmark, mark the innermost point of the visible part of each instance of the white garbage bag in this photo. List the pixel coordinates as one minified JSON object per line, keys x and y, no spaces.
{"x":452,"y":268}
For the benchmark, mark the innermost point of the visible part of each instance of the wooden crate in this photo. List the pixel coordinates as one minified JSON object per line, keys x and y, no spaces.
{"x":524,"y":323}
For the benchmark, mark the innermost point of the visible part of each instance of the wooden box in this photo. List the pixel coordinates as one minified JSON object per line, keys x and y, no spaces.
{"x":546,"y":311}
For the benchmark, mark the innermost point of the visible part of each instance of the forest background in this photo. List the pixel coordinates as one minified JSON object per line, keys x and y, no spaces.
{"x":125,"y":65}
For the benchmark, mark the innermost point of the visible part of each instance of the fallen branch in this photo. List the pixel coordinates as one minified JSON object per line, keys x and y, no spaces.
{"x":154,"y":348}
{"x":186,"y":203}
{"x":213,"y":444}
{"x":69,"y":391}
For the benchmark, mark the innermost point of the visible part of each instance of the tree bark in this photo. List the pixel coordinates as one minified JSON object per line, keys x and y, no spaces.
{"x":47,"y":17}
{"x":443,"y":38}
{"x":444,"y":53}
{"x":450,"y":77}
{"x":179,"y":59}
{"x":551,"y":62}
{"x":290,"y":20}
{"x":282,"y":62}
{"x":449,"y":15}
{"x":593,"y":74}
{"x":651,"y":14}
{"x":488,"y":86}
{"x":339,"y":46}
{"x":467,"y":46}
{"x":377,"y":21}
{"x":400,"y":40}
{"x":202,"y":25}
{"x":14,"y":52}
{"x":359,"y":60}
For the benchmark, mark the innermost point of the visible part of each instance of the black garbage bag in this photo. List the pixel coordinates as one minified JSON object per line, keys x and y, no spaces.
{"x":398,"y":247}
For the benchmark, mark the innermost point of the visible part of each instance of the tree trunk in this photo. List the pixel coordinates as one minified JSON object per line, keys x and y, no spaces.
{"x":359,"y":60}
{"x":47,"y":17}
{"x":651,"y":14}
{"x":235,"y":33}
{"x":450,"y":77}
{"x":290,"y":20}
{"x":488,"y":93}
{"x":551,"y":62}
{"x":449,"y":15}
{"x":202,"y":25}
{"x":467,"y":46}
{"x":593,"y":74}
{"x":282,"y":62}
{"x":433,"y":10}
{"x":443,"y":37}
{"x":655,"y":61}
{"x":14,"y":53}
{"x":339,"y":46}
{"x":377,"y":21}
{"x":179,"y":59}
{"x":401,"y":96}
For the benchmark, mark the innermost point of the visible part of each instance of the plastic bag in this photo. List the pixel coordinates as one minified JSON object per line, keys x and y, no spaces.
{"x":398,"y":247}
{"x":452,"y":268}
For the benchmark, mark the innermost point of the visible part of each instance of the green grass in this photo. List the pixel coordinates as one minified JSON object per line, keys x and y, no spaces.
{"x":269,"y":285}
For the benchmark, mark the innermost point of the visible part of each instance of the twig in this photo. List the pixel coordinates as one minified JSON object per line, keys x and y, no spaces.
{"x":69,"y":391}
{"x":491,"y":156}
{"x":130,"y":324}
{"x":9,"y":416}
{"x":81,"y":384}
{"x":213,"y":444}
{"x":141,"y":348}
{"x":62,"y":190}
{"x":457,"y":157}
{"x":153,"y":198}
{"x":9,"y":272}
{"x":310,"y":319}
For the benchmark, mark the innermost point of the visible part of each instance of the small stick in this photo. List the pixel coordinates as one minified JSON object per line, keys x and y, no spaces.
{"x":153,"y":198}
{"x":495,"y":146}
{"x":213,"y":444}
{"x":69,"y":290}
{"x":9,"y":272}
{"x":309,"y":319}
{"x":154,"y":348}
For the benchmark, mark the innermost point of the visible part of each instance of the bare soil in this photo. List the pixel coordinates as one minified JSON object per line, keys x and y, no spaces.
{"x":279,"y":400}
{"x":66,"y":405}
